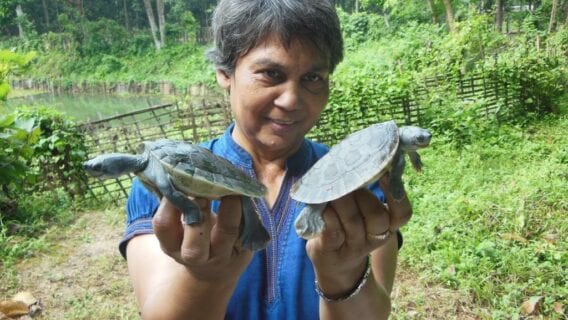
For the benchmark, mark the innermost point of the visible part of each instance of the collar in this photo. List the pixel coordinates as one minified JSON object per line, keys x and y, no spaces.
{"x":298,"y":163}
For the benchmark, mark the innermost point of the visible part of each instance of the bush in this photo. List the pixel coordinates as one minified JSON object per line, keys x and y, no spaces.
{"x":17,"y":137}
{"x":59,"y":152}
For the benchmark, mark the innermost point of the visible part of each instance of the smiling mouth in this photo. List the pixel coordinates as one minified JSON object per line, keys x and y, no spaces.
{"x":283,"y":122}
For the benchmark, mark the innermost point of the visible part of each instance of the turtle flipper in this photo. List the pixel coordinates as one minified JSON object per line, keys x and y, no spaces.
{"x":415,"y":160}
{"x":396,"y":186}
{"x":253,"y":234}
{"x":309,"y":222}
{"x":190,"y":211}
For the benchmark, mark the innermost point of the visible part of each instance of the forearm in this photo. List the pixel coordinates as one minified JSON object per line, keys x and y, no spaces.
{"x":166,"y":290}
{"x":372,"y":302}
{"x":179,"y":296}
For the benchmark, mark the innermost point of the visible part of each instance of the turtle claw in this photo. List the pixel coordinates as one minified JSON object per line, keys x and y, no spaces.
{"x":253,"y":234}
{"x":191,"y":215}
{"x":309,"y":222}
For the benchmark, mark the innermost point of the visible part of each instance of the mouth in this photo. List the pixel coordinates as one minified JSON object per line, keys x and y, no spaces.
{"x":282,"y":122}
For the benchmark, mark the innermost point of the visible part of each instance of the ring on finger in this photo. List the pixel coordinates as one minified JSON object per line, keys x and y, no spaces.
{"x":380,"y":236}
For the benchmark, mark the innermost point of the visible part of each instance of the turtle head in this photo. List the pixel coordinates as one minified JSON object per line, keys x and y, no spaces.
{"x":113,"y":165}
{"x":413,"y":138}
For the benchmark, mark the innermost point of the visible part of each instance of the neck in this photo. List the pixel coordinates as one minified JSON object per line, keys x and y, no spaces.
{"x":269,"y":165}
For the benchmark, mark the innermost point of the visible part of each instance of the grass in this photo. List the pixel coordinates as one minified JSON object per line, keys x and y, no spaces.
{"x":490,"y":217}
{"x":80,"y":274}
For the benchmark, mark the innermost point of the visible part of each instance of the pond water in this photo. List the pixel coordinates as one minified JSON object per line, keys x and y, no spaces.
{"x":85,"y":107}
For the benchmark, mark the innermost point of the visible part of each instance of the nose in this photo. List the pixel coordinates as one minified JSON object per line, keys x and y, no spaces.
{"x":289,"y":97}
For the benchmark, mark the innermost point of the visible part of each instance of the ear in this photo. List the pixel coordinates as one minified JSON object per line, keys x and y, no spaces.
{"x":223,"y":79}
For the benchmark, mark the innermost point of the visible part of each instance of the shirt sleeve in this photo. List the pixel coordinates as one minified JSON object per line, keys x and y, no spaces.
{"x":140,"y":209}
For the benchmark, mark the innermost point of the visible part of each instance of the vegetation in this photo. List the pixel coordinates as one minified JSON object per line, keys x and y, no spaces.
{"x":489,"y":206}
{"x":489,"y":215}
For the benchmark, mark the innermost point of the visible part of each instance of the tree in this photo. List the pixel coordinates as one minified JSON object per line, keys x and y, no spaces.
{"x":553,"y":12}
{"x":45,"y":12}
{"x":499,"y":4}
{"x":450,"y":15}
{"x":433,"y":10}
{"x":161,"y":30}
{"x":161,"y":21}
{"x":21,"y":17}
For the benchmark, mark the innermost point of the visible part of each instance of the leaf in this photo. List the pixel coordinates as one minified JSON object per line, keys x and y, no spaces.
{"x":4,"y":90}
{"x":531,"y":306}
{"x":551,"y":238}
{"x":513,"y":237}
{"x":558,"y":307}
{"x":27,"y":124}
{"x":34,"y":135}
{"x":7,"y":120}
{"x":12,"y":308}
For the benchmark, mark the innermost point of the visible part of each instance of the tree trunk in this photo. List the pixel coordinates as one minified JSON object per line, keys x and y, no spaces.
{"x":152,"y":20}
{"x":161,"y":21}
{"x":126,"y":20}
{"x":499,"y":15}
{"x":450,"y":15}
{"x":20,"y":15}
{"x":566,"y":12}
{"x":431,"y":6}
{"x":356,"y":6}
{"x":553,"y":11}
{"x":45,"y":13}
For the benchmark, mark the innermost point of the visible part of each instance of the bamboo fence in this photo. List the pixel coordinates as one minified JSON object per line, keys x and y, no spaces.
{"x":202,"y":121}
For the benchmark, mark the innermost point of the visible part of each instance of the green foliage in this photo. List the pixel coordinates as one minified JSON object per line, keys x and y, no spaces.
{"x":41,"y":157}
{"x":361,"y":27}
{"x":182,"y":64}
{"x":17,"y":138}
{"x":459,"y":123}
{"x":12,"y":63}
{"x":103,"y":36}
{"x":22,"y":232}
{"x":59,"y":152}
{"x":490,"y":216}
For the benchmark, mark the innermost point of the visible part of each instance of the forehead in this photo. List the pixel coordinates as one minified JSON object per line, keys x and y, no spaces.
{"x":296,"y":52}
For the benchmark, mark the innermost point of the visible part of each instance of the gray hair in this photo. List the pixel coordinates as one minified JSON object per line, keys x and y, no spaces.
{"x":240,"y":25}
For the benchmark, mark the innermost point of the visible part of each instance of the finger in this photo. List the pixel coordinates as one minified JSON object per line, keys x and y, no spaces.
{"x":351,"y":219}
{"x":400,"y":209}
{"x":168,"y":227}
{"x":196,"y":238}
{"x":375,"y":215}
{"x":333,"y":236}
{"x":225,"y":232}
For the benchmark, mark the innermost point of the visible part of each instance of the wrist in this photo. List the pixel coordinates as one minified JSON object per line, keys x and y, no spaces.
{"x":342,"y":288}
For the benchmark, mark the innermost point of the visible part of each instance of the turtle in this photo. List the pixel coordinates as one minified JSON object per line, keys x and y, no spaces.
{"x":177,"y":169}
{"x":355,"y":162}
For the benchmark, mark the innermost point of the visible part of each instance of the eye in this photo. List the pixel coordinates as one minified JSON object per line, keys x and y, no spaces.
{"x":313,"y":77}
{"x":315,"y":83}
{"x":273,"y":75}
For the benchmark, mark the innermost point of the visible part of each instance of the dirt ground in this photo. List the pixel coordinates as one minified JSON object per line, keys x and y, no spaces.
{"x":82,"y":276}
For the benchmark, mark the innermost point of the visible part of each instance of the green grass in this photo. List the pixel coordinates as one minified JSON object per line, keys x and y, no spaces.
{"x":490,"y":216}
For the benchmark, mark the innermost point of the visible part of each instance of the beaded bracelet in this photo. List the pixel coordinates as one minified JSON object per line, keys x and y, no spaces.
{"x":349,"y":294}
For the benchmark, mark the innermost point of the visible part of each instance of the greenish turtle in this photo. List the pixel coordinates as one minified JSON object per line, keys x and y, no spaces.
{"x":176,"y":170}
{"x":355,"y":162}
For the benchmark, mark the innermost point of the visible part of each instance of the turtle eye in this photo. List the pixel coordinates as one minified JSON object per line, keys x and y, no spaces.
{"x":424,"y":138}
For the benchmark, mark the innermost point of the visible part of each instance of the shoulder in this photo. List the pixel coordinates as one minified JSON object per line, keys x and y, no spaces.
{"x":319,"y":149}
{"x":209,"y":144}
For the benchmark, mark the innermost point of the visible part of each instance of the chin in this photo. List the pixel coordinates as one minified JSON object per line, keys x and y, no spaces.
{"x":282,"y":143}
